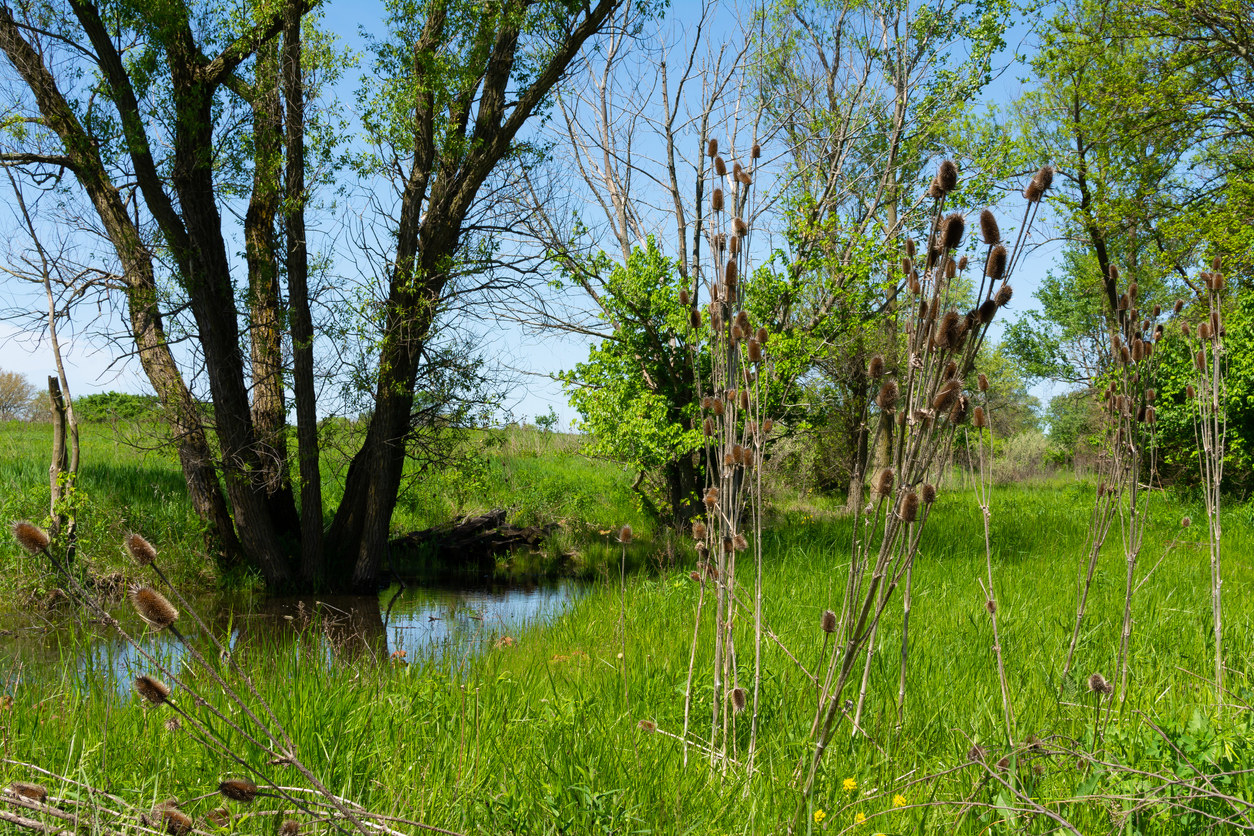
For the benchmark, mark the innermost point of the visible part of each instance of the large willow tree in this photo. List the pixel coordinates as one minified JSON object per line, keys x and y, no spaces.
{"x":140,"y":104}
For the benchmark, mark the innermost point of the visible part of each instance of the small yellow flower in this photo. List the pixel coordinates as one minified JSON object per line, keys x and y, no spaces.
{"x":859,"y":818}
{"x":850,"y":785}
{"x":899,"y":801}
{"x":819,"y":815}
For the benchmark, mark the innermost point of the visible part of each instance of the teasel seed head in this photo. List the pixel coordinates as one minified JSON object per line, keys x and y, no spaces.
{"x":1199,"y":360}
{"x":177,"y":823}
{"x":988,"y":310}
{"x":947,"y":176}
{"x":923,"y":311}
{"x":1190,"y":392}
{"x":755,"y":152}
{"x":736,"y":169}
{"x":1217,"y":282}
{"x":153,"y":607}
{"x":886,"y":399}
{"x":884,"y":482}
{"x":1138,"y":351}
{"x":740,"y":542}
{"x":152,"y":689}
{"x":698,"y":530}
{"x":733,"y":245}
{"x":755,"y":351}
{"x":1179,"y":306}
{"x":711,"y":148}
{"x":982,"y":380}
{"x":962,"y":263}
{"x":648,"y":726}
{"x":875,"y":370}
{"x":730,"y":272}
{"x":1186,"y":522}
{"x":744,"y":177}
{"x":951,"y":370}
{"x":740,"y":227}
{"x":31,"y":537}
{"x":684,"y":298}
{"x":1004,"y":294}
{"x":958,"y":414}
{"x":946,"y":396}
{"x":913,"y":283}
{"x":950,"y":330}
{"x":238,"y":789}
{"x":744,"y":399}
{"x":1032,"y":191}
{"x":29,"y":791}
{"x":624,"y":535}
{"x":716,"y":200}
{"x":1133,"y":290}
{"x":928,"y":493}
{"x":910,"y":247}
{"x":978,"y":420}
{"x":989,"y":229}
{"x":718,"y":407}
{"x":1113,"y":272}
{"x":289,"y":827}
{"x":1205,"y":331}
{"x":720,"y":241}
{"x":738,"y":699}
{"x":742,"y":319}
{"x":997,"y":263}
{"x":990,"y":606}
{"x":141,"y":550}
{"x":720,"y":167}
{"x":952,"y":230}
{"x":1123,"y":355}
{"x":907,"y":266}
{"x":694,"y":318}
{"x":827,"y":621}
{"x":1158,"y":311}
{"x":1186,"y":330}
{"x":1214,"y":322}
{"x":976,"y":754}
{"x":1140,"y":415}
{"x":711,"y":497}
{"x":1151,"y":415}
{"x":767,"y":425}
{"x":762,"y":335}
{"x":935,"y":191}
{"x":1099,"y":685}
{"x":1045,"y":177}
{"x":951,"y":269}
{"x":908,"y":510}
{"x":219,"y":817}
{"x":727,"y":545}
{"x":737,"y":334}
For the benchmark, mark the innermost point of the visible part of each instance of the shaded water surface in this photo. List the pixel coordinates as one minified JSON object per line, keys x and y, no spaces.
{"x":411,"y":624}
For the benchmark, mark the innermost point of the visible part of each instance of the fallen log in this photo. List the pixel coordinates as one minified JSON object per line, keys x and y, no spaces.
{"x":468,"y":543}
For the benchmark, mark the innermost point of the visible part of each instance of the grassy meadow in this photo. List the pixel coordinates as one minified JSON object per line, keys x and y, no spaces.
{"x":542,"y":734}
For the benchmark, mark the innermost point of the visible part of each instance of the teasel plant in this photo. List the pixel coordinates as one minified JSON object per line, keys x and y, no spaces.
{"x":248,"y":714}
{"x":1128,"y":467}
{"x":924,"y":403}
{"x":735,"y":428}
{"x":1208,"y":396}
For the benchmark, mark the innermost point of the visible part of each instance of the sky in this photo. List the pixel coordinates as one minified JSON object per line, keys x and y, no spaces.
{"x":532,"y":358}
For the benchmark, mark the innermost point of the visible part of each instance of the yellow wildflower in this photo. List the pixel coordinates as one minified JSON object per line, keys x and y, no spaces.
{"x":850,"y":785}
{"x":819,"y":815}
{"x":899,"y":801}
{"x":859,"y":818}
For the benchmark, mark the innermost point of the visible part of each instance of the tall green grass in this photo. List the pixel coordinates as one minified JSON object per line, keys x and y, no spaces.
{"x":542,"y":736}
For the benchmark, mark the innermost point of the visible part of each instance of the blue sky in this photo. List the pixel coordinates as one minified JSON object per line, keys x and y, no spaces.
{"x":94,"y":367}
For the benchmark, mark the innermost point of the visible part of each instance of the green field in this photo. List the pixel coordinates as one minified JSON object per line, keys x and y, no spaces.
{"x":542,"y":735}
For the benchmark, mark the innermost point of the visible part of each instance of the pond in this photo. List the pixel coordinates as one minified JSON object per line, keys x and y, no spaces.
{"x":404,"y":624}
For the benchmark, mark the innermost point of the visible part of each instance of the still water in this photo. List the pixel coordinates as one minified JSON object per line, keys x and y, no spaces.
{"x":415,"y":624}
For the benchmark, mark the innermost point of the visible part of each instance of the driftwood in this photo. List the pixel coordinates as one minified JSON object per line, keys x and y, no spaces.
{"x":467,"y":543}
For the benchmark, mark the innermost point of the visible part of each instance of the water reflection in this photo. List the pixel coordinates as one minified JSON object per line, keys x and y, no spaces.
{"x":404,"y":624}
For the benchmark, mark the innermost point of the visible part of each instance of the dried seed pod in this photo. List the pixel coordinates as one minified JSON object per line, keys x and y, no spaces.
{"x":910,"y":247}
{"x":755,"y":151}
{"x":762,"y":335}
{"x":1099,"y":685}
{"x":1138,"y":351}
{"x":996,"y":263}
{"x":875,"y":370}
{"x":1113,"y":272}
{"x":740,"y":227}
{"x":152,"y":689}
{"x":625,"y":535}
{"x":988,"y":310}
{"x":884,"y":482}
{"x":1179,"y":306}
{"x":153,"y":607}
{"x":913,"y":283}
{"x":951,"y":269}
{"x":886,"y":399}
{"x":141,"y":550}
{"x":983,"y":382}
{"x":1204,"y":331}
{"x":740,"y":542}
{"x":29,"y":791}
{"x":238,"y":789}
{"x":908,"y":509}
{"x":946,"y":396}
{"x":289,"y":827}
{"x":720,"y":167}
{"x":698,"y":530}
{"x":989,"y":229}
{"x":733,"y":245}
{"x":177,"y":823}
{"x":951,"y":370}
{"x":708,"y":426}
{"x":738,"y":699}
{"x":1140,"y":415}
{"x":767,"y":425}
{"x":1151,"y":416}
{"x":718,"y":407}
{"x":1217,"y":284}
{"x":827,"y":621}
{"x":907,"y":266}
{"x":694,"y":318}
{"x":978,"y":420}
{"x":1032,"y":191}
{"x":31,"y":537}
{"x":755,"y":351}
{"x":947,"y":176}
{"x":962,"y":263}
{"x":1044,"y":178}
{"x":935,"y":191}
{"x":1186,"y":330}
{"x":958,"y":414}
{"x":1133,"y":290}
{"x":744,"y":177}
{"x":684,"y":298}
{"x":928,"y":493}
{"x":1124,"y":357}
{"x":952,"y":230}
{"x":1199,"y":360}
{"x":949,"y":331}
{"x":711,"y":148}
{"x":716,"y":200}
{"x":744,"y":399}
{"x":1004,"y":294}
{"x":1214,"y":322}
{"x":1158,"y":311}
